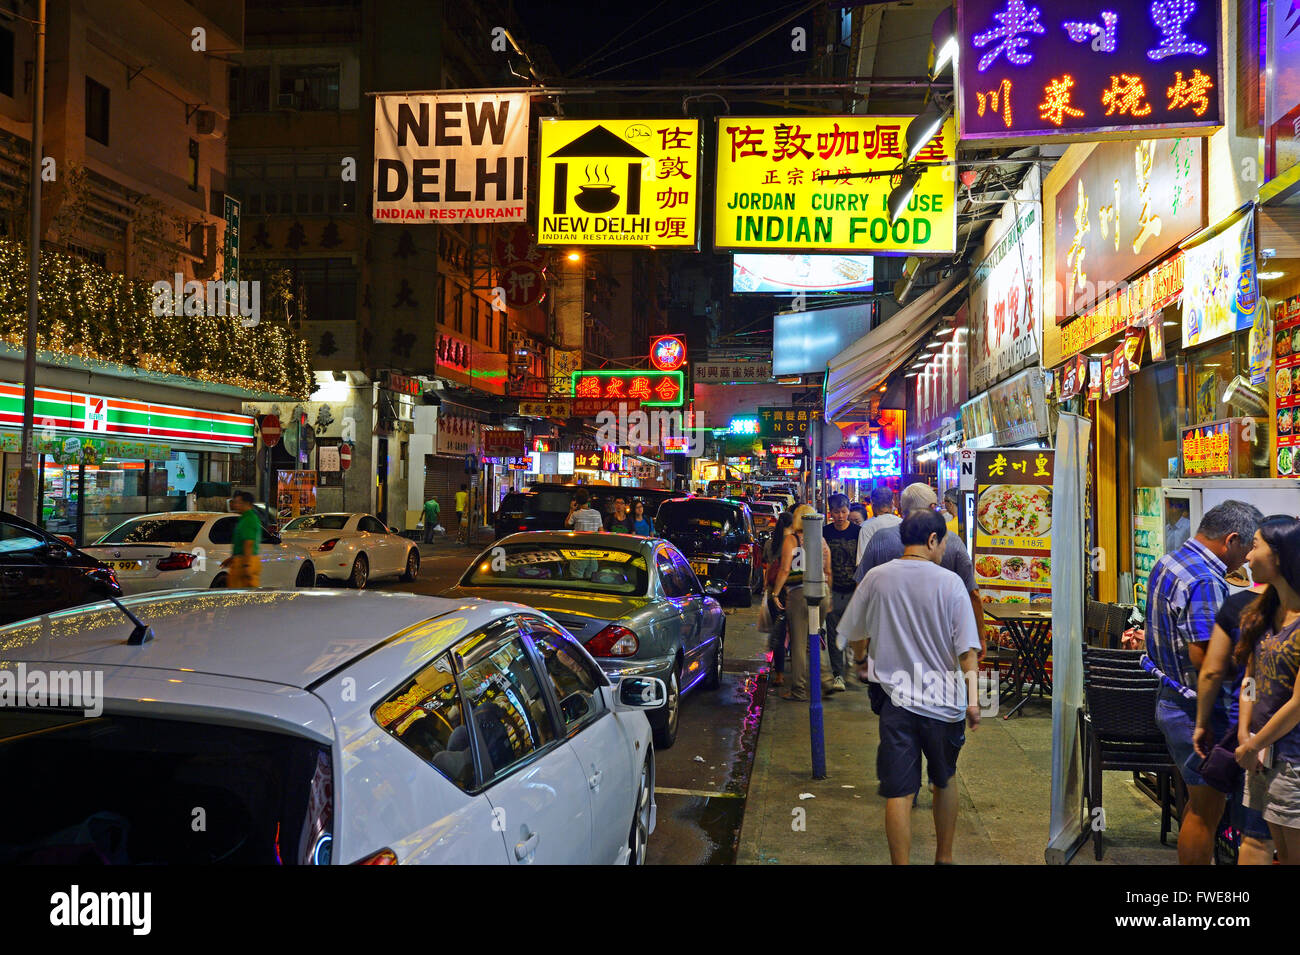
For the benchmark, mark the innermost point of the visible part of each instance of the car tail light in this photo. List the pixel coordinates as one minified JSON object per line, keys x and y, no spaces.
{"x":329,"y":544}
{"x":176,"y":561}
{"x":744,"y":551}
{"x":382,"y":857}
{"x":523,"y":527}
{"x":613,"y":641}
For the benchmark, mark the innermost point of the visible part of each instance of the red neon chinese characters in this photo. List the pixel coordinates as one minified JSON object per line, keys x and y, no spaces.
{"x":588,"y":388}
{"x":1056,"y":101}
{"x":1125,"y":96}
{"x":614,"y":388}
{"x":1193,"y":91}
{"x":640,"y":389}
{"x":666,"y":389}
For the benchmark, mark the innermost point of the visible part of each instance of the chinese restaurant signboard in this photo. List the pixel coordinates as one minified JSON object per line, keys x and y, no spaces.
{"x":1006,"y":290}
{"x":1143,"y":298}
{"x":731,"y":372}
{"x":1037,"y":70}
{"x":768,"y":196}
{"x":1220,"y":293}
{"x":624,"y":182}
{"x":1013,"y":525}
{"x":1216,"y":448}
{"x":1127,"y":205}
{"x":1286,"y":379}
{"x":786,"y":422}
{"x":451,"y":157}
{"x":649,"y":388}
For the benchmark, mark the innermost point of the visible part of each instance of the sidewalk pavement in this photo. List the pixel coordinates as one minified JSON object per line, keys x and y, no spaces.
{"x":1003,"y":773}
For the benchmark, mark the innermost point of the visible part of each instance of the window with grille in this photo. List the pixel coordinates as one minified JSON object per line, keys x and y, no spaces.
{"x":96,"y":111}
{"x":309,"y":87}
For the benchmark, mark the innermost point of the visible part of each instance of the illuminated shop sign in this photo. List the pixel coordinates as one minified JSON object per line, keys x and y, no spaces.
{"x":743,"y":425}
{"x":1047,"y":69}
{"x":651,"y":388}
{"x":668,"y":352}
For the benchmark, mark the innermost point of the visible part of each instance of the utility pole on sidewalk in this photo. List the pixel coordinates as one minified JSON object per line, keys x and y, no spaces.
{"x":27,"y":474}
{"x":814,"y":589}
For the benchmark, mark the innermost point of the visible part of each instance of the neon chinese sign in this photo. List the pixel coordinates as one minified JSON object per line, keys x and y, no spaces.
{"x":1041,"y":70}
{"x":747,"y":425}
{"x":651,"y":388}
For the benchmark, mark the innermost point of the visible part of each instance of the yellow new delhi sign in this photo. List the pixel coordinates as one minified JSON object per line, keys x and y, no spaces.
{"x":627,"y":182}
{"x":768,"y":195}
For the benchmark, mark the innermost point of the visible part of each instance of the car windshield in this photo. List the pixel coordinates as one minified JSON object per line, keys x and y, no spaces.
{"x":318,"y":522}
{"x":558,"y":566}
{"x":699,"y":519}
{"x":154,"y":530}
{"x":139,"y":776}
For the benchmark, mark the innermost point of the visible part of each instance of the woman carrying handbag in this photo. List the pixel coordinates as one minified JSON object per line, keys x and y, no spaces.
{"x":770,"y":615}
{"x":787,"y":595}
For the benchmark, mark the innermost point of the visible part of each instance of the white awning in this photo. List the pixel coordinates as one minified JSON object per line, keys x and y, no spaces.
{"x":856,"y":371}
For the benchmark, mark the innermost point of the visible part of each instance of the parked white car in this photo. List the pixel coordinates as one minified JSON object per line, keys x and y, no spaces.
{"x":183,"y":549}
{"x":324,"y":727}
{"x":354,"y":547}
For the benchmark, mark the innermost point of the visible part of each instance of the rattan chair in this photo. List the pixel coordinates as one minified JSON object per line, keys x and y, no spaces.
{"x":1118,"y":731}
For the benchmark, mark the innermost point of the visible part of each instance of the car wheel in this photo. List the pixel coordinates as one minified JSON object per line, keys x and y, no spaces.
{"x":306,"y":575}
{"x":360,"y":573}
{"x":665,"y":725}
{"x":714,"y":679}
{"x":412,"y":565}
{"x":639,"y":838}
{"x":219,"y":581}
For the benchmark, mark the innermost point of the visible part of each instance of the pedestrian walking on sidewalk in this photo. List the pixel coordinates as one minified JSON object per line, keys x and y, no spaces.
{"x":243,"y":566}
{"x":1184,"y":593}
{"x":841,"y":536}
{"x":431,"y":511}
{"x":1269,"y":651}
{"x":924,"y":652}
{"x":462,"y":514}
{"x":788,"y":596}
{"x":887,"y":544}
{"x":771,"y":567}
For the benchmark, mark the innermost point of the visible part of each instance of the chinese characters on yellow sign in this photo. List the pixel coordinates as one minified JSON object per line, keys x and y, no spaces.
{"x":1013,"y":514}
{"x":619,"y":182}
{"x":1208,"y":450}
{"x":769,"y":195}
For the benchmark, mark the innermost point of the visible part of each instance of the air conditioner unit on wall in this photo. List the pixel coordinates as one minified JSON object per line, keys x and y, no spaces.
{"x":205,"y":122}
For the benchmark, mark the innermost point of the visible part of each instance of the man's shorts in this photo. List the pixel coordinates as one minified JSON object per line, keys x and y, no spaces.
{"x":904,"y":736}
{"x":1275,"y":793}
{"x":1176,"y":718}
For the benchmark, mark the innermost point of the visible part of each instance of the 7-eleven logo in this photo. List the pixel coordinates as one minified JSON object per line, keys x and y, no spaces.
{"x":96,"y":414}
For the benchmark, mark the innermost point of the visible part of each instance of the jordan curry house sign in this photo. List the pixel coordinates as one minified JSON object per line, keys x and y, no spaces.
{"x":1054,"y":70}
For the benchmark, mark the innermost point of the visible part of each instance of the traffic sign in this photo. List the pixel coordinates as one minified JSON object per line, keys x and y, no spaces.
{"x":345,"y":456}
{"x":270,"y":430}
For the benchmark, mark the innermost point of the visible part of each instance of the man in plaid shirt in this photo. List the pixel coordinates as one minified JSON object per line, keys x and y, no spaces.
{"x":1183,"y":596}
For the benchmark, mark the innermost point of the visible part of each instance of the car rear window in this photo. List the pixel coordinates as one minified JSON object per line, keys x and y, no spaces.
{"x":264,"y":797}
{"x":557,"y":566}
{"x":700,"y":519}
{"x":153,"y":530}
{"x":318,"y":522}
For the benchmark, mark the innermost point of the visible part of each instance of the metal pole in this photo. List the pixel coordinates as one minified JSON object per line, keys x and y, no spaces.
{"x":814,"y":589}
{"x":27,"y":476}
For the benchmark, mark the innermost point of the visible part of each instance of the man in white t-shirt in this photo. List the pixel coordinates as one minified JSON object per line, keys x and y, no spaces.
{"x":923,"y":653}
{"x":882,"y":516}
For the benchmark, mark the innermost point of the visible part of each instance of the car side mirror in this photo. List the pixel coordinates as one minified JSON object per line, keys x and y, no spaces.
{"x":715,"y":588}
{"x":641,"y":693}
{"x":574,"y":707}
{"x":56,"y":551}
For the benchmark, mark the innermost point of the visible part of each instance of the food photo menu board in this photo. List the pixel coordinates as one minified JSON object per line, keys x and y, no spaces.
{"x":1286,"y":378}
{"x":1013,"y":525}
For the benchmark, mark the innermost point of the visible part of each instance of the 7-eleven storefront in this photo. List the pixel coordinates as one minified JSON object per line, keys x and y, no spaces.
{"x":104,"y":459}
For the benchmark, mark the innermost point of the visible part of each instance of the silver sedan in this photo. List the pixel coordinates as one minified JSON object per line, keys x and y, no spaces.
{"x":633,"y":602}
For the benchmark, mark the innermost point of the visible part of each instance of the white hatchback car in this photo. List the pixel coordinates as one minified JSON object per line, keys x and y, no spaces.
{"x":354,"y":548}
{"x":182,"y":549}
{"x":321,"y":726}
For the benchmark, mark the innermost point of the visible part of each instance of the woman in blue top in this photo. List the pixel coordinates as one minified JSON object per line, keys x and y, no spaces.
{"x":1269,"y":651}
{"x":640,"y":523}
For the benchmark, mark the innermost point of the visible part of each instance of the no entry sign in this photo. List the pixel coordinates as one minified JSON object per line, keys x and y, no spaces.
{"x":345,"y":456}
{"x":271,"y":430}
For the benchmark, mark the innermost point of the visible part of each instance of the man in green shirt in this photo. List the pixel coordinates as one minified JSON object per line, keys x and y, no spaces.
{"x":244,"y":566}
{"x":431,"y":512}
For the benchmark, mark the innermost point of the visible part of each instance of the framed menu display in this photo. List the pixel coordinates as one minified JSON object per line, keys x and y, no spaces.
{"x":1286,"y":379}
{"x":1013,"y":525}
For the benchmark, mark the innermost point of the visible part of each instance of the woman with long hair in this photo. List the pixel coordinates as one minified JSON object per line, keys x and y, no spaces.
{"x":1268,"y":650}
{"x":771,"y":565}
{"x":788,"y":596}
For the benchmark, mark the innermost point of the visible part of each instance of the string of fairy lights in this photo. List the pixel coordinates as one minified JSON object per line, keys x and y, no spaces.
{"x":90,"y":313}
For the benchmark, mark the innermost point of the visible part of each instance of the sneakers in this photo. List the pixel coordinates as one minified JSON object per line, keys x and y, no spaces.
{"x":838,"y":685}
